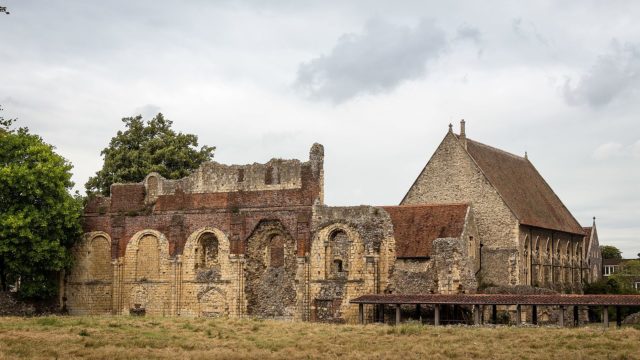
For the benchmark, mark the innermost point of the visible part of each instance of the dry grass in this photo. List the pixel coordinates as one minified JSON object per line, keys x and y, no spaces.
{"x":144,"y":338}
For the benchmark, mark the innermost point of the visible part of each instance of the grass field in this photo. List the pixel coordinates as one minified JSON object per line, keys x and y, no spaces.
{"x":175,"y":338}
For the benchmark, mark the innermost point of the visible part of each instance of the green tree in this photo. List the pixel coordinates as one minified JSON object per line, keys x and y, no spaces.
{"x":144,"y":148}
{"x":39,"y":219}
{"x":610,"y":252}
{"x":627,"y":275}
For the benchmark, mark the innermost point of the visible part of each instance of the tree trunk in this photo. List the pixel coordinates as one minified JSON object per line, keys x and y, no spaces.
{"x":3,"y":276}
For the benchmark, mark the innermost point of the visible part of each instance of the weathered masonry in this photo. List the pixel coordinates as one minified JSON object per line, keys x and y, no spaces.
{"x":257,"y":240}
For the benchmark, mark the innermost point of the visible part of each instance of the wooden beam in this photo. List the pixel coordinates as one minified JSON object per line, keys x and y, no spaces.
{"x":361,"y":313}
{"x":476,"y":315}
{"x":605,"y":316}
{"x":436,"y":314}
{"x":419,"y":312}
{"x":562,"y":316}
{"x":397,"y":314}
{"x":518,"y":315}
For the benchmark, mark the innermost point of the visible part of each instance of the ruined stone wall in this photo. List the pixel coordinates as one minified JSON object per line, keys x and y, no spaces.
{"x":450,"y":269}
{"x":451,"y":176}
{"x":352,"y":253}
{"x":181,"y":248}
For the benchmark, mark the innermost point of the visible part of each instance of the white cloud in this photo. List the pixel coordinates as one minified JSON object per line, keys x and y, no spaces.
{"x":611,"y":150}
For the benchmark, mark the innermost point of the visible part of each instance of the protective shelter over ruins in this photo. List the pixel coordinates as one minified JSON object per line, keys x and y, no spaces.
{"x":257,"y":239}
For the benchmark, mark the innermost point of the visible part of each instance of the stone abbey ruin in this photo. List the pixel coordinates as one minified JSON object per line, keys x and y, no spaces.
{"x":257,"y":240}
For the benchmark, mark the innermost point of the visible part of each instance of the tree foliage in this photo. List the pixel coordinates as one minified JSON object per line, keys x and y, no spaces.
{"x":144,"y":148}
{"x":610,"y":252}
{"x":627,"y":274}
{"x":39,"y":219}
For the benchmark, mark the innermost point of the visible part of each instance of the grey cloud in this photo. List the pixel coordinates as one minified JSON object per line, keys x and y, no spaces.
{"x":466,"y":32}
{"x":379,"y":59}
{"x":612,"y":75}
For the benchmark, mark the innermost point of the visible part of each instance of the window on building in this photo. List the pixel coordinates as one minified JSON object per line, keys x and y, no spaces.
{"x":206,"y":253}
{"x":276,"y":251}
{"x":610,"y":269}
{"x":637,"y":285}
{"x":340,"y":248}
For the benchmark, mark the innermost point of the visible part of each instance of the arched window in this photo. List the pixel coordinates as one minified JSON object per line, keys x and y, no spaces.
{"x":337,"y":266}
{"x":206,"y":252}
{"x":340,"y":248}
{"x":99,"y":259}
{"x":148,"y":258}
{"x":276,"y":251}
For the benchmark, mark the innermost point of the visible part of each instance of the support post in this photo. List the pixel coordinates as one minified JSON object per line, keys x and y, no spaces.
{"x":476,"y":315}
{"x":534,"y":314}
{"x":605,"y":316}
{"x":494,"y":314}
{"x":618,"y":318}
{"x":397,"y":314}
{"x":361,"y":313}
{"x":436,"y":314}
{"x":518,"y":315}
{"x":419,"y":312}
{"x":562,"y":316}
{"x":381,"y":313}
{"x":576,"y":319}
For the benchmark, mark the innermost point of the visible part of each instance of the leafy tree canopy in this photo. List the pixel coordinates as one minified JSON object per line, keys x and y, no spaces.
{"x":610,"y":252}
{"x":39,"y":219}
{"x":627,"y":275}
{"x":144,"y":148}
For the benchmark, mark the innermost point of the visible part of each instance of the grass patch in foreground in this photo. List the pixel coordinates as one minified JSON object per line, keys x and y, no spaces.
{"x":119,"y":337}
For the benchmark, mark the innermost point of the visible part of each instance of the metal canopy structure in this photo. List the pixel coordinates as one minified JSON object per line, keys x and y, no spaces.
{"x":493,"y":300}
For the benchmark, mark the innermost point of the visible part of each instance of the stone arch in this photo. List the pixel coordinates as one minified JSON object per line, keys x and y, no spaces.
{"x":270,"y":290}
{"x":206,"y":255}
{"x":147,"y":274}
{"x":340,"y":242}
{"x":92,"y":257}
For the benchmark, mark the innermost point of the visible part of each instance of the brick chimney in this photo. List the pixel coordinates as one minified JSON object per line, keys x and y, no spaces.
{"x":463,"y":133}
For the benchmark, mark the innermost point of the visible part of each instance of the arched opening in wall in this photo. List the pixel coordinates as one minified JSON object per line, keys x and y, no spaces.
{"x":275,"y":252}
{"x":99,"y":260}
{"x":337,"y":266}
{"x":206,"y":252}
{"x":340,"y":249}
{"x":206,"y":256}
{"x":147,"y":259}
{"x":270,"y":271}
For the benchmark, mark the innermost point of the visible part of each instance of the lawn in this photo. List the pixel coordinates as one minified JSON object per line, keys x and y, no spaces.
{"x":108,"y":337}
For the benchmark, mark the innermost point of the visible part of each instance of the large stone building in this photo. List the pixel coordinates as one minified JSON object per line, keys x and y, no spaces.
{"x":257,"y":239}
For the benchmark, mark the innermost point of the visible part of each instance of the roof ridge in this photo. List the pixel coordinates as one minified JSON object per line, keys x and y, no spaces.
{"x":427,"y":205}
{"x":499,"y":150}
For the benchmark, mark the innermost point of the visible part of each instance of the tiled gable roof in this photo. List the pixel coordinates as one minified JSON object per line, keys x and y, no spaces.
{"x":523,"y":189}
{"x":415,"y":227}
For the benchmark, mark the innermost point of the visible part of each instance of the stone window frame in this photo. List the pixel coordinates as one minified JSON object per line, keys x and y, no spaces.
{"x":188,"y":252}
{"x":131,"y":251}
{"x":82,"y":247}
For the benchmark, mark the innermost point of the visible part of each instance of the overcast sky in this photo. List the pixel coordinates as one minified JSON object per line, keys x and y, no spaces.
{"x":376,"y":82}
